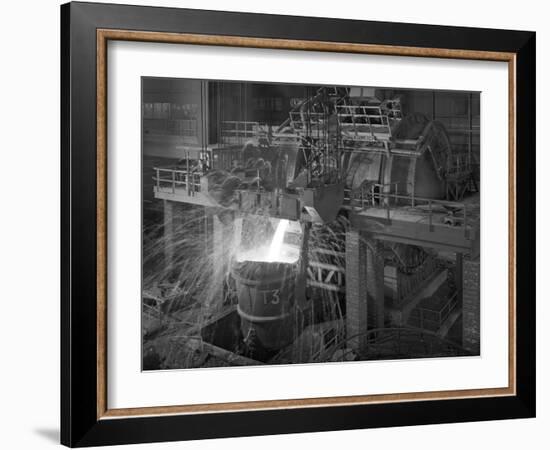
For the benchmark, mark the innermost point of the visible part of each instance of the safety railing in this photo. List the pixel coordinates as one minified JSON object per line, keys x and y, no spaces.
{"x":308,"y":122}
{"x":459,"y":164}
{"x":363,"y":122}
{"x":387,"y":197}
{"x":431,"y":318}
{"x":238,"y":131}
{"x":409,"y":284}
{"x":172,"y":180}
{"x":389,"y":341}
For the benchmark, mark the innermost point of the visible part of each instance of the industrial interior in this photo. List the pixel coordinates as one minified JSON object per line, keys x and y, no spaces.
{"x":287,"y":223}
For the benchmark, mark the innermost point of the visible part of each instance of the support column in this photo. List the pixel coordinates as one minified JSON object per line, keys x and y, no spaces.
{"x":219,"y":245}
{"x":303,"y":264}
{"x":364,"y":287}
{"x":168,"y":235}
{"x":356,"y":290}
{"x":375,"y":284}
{"x":471,"y":305}
{"x":220,"y":242}
{"x":458,"y":274}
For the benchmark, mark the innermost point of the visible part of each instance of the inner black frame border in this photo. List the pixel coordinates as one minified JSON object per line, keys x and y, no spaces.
{"x":79,"y":423}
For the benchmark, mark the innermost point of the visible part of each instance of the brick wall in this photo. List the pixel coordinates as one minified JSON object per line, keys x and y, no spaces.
{"x":471,"y":305}
{"x":356,"y":288}
{"x":375,"y":284}
{"x":364,"y":287}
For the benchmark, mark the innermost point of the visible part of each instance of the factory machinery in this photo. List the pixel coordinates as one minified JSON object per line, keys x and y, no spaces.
{"x":342,"y":234}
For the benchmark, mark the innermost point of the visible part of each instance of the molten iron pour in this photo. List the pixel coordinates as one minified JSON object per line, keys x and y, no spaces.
{"x":268,"y":282}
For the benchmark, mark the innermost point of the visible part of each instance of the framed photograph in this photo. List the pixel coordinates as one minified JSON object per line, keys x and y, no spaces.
{"x":277,"y":224}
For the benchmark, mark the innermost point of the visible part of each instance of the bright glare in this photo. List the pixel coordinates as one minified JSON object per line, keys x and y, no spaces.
{"x":277,"y":241}
{"x":276,"y":251}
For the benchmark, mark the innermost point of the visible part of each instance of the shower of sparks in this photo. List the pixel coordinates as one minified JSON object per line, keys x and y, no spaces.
{"x":180,"y":298}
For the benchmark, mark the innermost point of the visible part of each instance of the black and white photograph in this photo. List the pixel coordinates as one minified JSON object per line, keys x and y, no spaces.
{"x":275,"y":225}
{"x":298,"y":224}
